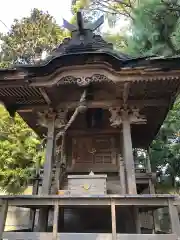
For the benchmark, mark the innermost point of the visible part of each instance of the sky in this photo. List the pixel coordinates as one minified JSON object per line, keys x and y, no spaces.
{"x":11,"y":9}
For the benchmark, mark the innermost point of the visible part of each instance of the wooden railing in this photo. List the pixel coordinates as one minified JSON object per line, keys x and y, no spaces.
{"x":113,"y":201}
{"x":86,"y":236}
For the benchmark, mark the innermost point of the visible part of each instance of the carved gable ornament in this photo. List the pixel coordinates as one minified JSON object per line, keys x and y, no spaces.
{"x":82,"y":36}
{"x":117,"y":116}
{"x":84,"y":80}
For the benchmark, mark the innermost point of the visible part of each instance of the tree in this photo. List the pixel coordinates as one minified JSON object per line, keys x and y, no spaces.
{"x":115,"y":8}
{"x":29,"y":38}
{"x":153,"y":24}
{"x":19,"y":145}
{"x":19,"y":151}
{"x":165,"y":149}
{"x":154,"y":29}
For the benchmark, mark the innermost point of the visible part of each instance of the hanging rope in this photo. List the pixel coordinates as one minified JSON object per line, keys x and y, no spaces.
{"x":73,"y":117}
{"x":60,"y":164}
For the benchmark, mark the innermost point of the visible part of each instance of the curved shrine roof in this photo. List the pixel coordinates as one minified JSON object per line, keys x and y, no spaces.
{"x":154,"y":82}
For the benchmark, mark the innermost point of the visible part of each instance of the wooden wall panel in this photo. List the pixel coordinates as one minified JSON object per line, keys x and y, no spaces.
{"x":94,"y":150}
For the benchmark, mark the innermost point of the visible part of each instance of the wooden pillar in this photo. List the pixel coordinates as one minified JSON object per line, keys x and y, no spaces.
{"x":122,"y":176}
{"x":155,"y":213}
{"x":47,"y":175}
{"x":48,"y":164}
{"x":128,"y":154}
{"x":55,"y":221}
{"x":148,"y":162}
{"x":137,"y":220}
{"x":61,"y":219}
{"x":174,"y":218}
{"x":113,"y":220}
{"x":34,"y":192}
{"x":59,"y":161}
{"x":32,"y":216}
{"x":151,"y":185}
{"x":3,"y":215}
{"x":121,"y":167}
{"x":43,"y":219}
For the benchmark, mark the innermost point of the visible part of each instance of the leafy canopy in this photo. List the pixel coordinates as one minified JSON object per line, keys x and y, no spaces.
{"x":154,"y":29}
{"x":19,"y":146}
{"x":19,"y":151}
{"x":29,"y":37}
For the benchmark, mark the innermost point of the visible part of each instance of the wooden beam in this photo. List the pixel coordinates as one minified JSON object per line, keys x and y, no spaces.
{"x":85,"y":236}
{"x":122,"y":176}
{"x":43,"y":219}
{"x":113,"y":220}
{"x":3,"y":215}
{"x":47,"y":176}
{"x":55,"y":221}
{"x":174,"y":218}
{"x":31,"y":108}
{"x":117,"y":103}
{"x":48,"y":164}
{"x":158,"y":200}
{"x":126,"y":92}
{"x":137,"y":220}
{"x":128,"y":155}
{"x":106,"y":104}
{"x":35,"y":189}
{"x":45,"y":96}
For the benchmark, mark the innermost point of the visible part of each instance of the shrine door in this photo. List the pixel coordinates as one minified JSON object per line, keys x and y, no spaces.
{"x":90,"y":153}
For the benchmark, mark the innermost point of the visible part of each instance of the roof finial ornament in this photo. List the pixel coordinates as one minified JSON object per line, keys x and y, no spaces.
{"x":80,"y":22}
{"x":83,"y":37}
{"x":95,"y":25}
{"x":81,"y":26}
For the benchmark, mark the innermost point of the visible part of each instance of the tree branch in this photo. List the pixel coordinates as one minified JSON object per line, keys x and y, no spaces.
{"x":111,"y":10}
{"x":172,"y":6}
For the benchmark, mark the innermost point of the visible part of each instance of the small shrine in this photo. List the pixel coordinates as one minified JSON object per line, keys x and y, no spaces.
{"x":94,"y":105}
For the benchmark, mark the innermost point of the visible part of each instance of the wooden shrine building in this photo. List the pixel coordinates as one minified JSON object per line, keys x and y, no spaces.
{"x":94,"y":105}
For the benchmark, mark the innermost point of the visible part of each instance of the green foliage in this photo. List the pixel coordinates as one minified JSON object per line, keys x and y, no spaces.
{"x":165,"y":149}
{"x":154,"y":29}
{"x":109,"y":8}
{"x":118,"y":40}
{"x":19,"y":152}
{"x":29,"y":37}
{"x":79,"y":4}
{"x":85,"y":6}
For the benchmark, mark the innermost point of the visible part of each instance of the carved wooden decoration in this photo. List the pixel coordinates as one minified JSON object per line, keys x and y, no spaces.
{"x":61,"y":117}
{"x":45,"y":116}
{"x":115,"y":118}
{"x":84,"y":80}
{"x":134,"y":116}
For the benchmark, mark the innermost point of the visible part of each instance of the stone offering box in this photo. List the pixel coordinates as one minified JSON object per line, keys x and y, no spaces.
{"x":87,"y":184}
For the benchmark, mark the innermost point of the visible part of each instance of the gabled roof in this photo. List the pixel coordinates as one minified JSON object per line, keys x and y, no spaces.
{"x":151,"y":78}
